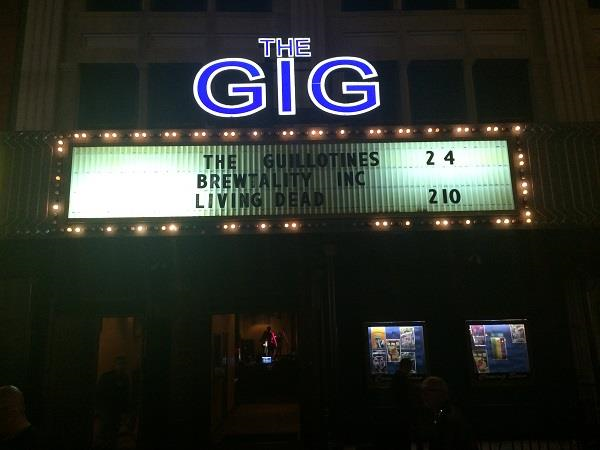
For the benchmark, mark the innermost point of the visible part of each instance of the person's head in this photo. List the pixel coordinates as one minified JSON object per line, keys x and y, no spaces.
{"x":405,"y":366}
{"x":269,"y":329}
{"x":12,"y":411}
{"x":435,"y":392}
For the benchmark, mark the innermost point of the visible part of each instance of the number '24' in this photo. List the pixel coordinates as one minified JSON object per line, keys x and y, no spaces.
{"x":449,"y":157}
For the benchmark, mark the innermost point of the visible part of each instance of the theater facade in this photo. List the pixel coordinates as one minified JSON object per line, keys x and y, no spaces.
{"x":250,"y":259}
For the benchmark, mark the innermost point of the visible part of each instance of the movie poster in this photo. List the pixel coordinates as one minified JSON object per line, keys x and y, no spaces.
{"x":478,"y":335}
{"x":412,"y":357}
{"x":517,"y":333}
{"x":378,"y":338}
{"x":480,"y":358}
{"x":498,"y":347}
{"x":393,"y":350}
{"x":407,"y":338}
{"x":378,"y":361}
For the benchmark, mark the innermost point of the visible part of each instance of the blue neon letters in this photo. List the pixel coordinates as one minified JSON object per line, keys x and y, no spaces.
{"x":368,"y":90}
{"x":255,"y":93}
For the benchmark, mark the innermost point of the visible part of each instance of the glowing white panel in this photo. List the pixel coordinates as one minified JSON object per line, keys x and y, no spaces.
{"x":300,"y":179}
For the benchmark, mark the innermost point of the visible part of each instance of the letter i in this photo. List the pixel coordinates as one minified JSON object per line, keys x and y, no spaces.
{"x":286,"y":86}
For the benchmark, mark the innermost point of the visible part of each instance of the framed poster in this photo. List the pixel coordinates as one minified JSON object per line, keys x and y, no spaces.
{"x":388,"y":343}
{"x":499,"y":348}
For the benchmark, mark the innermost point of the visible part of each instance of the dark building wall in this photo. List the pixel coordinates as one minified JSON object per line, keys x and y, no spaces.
{"x":176,"y":284}
{"x":445,"y":281}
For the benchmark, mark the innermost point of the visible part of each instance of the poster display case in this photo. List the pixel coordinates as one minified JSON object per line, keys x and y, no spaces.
{"x":389,"y":343}
{"x":499,"y":348}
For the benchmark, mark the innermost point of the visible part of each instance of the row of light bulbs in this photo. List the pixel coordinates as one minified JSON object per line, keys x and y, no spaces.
{"x":291,"y":226}
{"x":313,"y":132}
{"x":524,"y":185}
{"x":231,"y":226}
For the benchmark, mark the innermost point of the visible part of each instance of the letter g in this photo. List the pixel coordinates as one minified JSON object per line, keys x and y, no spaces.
{"x":255,"y":93}
{"x":369,"y":91}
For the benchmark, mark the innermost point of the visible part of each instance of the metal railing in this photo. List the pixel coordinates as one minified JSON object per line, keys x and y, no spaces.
{"x":530,"y":444}
{"x":513,"y":444}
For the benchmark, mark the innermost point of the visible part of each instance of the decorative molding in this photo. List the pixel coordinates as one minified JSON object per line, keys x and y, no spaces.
{"x":499,"y":38}
{"x":110,"y":41}
{"x":178,"y":41}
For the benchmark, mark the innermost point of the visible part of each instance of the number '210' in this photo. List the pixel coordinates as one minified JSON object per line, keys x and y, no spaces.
{"x":448,"y":196}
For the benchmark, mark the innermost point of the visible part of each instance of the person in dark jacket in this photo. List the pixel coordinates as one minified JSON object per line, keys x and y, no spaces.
{"x":446,"y":428}
{"x":409,"y":405}
{"x":112,"y":403}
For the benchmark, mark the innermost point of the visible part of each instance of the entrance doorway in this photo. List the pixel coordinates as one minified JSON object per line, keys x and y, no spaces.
{"x":254,"y":393}
{"x":118,"y":389}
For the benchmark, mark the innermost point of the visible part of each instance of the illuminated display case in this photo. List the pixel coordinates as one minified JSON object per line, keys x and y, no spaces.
{"x":390,"y":342}
{"x":499,"y":348}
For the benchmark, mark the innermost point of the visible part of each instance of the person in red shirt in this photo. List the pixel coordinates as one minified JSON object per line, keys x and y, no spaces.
{"x":269,"y":340}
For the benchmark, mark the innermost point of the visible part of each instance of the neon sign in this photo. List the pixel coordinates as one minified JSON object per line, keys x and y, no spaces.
{"x":253,"y":94}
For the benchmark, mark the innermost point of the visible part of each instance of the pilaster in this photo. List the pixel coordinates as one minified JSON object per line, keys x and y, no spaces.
{"x":41,"y":52}
{"x":470,"y":90}
{"x":308,"y":20}
{"x":565,"y":56}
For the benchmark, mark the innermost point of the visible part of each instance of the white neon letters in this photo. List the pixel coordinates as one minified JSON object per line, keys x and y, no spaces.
{"x":255,"y":93}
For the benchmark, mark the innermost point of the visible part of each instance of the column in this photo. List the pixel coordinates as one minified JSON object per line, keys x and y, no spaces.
{"x":41,"y":52}
{"x":583,"y":348}
{"x":566,"y":61}
{"x":307,"y":18}
{"x":405,"y":114}
{"x":67,"y":100}
{"x":142,"y":120}
{"x":470,"y":90}
{"x":15,"y":331}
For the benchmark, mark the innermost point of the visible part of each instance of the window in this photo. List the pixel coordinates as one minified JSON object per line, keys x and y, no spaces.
{"x":244,"y":5}
{"x":437,"y":91}
{"x":108,"y":96}
{"x":502,"y":90}
{"x":367,"y":5}
{"x":113,"y":5}
{"x":170,"y":99}
{"x":492,"y":4}
{"x":415,"y":5}
{"x":178,"y":5}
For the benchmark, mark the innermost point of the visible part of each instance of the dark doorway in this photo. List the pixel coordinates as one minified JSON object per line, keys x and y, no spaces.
{"x":254,"y":392}
{"x":117,"y":402}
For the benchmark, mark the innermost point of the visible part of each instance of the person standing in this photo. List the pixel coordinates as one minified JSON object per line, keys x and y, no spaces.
{"x":409,"y":405}
{"x":16,"y":433}
{"x":112,"y":402}
{"x":446,"y":427}
{"x":269,"y":340}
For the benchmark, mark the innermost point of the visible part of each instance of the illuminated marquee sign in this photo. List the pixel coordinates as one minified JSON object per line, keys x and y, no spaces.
{"x":290,"y":179}
{"x":254,"y":94}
